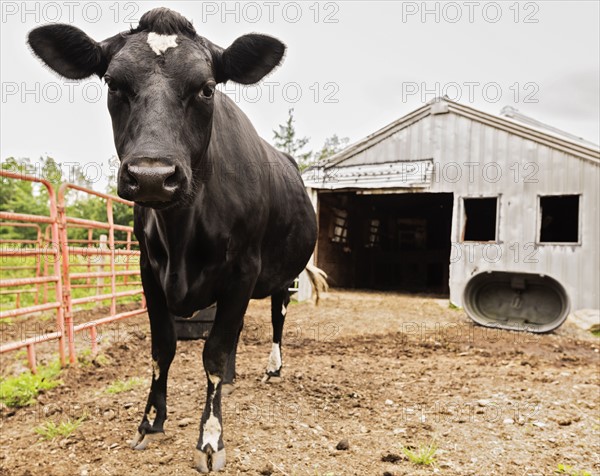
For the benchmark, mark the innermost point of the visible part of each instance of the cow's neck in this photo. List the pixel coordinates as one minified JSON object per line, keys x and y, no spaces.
{"x":174,"y":223}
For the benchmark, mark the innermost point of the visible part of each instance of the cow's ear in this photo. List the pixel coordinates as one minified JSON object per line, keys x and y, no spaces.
{"x":69,"y":51}
{"x":249,"y":59}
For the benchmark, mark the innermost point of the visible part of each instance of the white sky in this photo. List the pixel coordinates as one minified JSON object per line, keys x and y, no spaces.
{"x":374,"y":63}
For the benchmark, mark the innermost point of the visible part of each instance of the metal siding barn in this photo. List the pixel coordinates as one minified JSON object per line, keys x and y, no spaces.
{"x":447,"y":192}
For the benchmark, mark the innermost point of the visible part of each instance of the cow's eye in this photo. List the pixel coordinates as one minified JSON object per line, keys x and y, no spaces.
{"x":111,"y":84}
{"x":208,"y":90}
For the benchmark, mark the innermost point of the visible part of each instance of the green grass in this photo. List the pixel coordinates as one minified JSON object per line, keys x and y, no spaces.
{"x":422,"y":455}
{"x":79,"y":264}
{"x":50,"y":430}
{"x":566,"y":469}
{"x":102,"y":360}
{"x":21,"y":390}
{"x":85,"y":359}
{"x":120,"y":386}
{"x":451,"y":305}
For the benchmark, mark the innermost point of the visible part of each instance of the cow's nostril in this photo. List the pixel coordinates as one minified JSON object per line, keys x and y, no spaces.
{"x":130,"y":177}
{"x":171,"y":181}
{"x":150,"y":181}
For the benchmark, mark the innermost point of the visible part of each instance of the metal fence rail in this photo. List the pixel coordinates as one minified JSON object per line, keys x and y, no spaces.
{"x":71,"y":267}
{"x":54,"y":274}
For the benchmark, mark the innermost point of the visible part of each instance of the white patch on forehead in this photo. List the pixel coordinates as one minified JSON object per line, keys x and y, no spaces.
{"x":161,"y":43}
{"x":274,"y":363}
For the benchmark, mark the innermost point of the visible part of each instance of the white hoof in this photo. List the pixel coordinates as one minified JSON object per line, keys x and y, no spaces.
{"x":140,"y":442}
{"x":227,"y":389}
{"x":218,"y":460}
{"x":271,"y":378}
{"x":201,"y":462}
{"x":204,"y":462}
{"x":135,"y":440}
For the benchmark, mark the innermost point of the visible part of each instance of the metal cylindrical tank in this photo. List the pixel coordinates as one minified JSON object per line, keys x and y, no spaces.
{"x":516,"y":301}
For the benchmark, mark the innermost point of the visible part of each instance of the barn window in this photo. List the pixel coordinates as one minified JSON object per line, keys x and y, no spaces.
{"x":480,"y":219}
{"x":412,"y":233}
{"x":559,"y":219}
{"x":340,"y":226}
{"x":373,"y":233}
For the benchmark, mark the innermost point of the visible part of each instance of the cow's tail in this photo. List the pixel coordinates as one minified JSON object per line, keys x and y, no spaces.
{"x":318,"y":280}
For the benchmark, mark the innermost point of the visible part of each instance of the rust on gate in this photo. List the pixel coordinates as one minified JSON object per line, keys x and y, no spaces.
{"x":75,"y":267}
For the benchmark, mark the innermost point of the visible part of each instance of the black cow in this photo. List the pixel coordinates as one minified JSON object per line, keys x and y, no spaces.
{"x":221,"y":216}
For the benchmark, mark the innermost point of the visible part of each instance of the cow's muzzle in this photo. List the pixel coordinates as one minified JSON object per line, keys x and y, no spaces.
{"x":149,"y":181}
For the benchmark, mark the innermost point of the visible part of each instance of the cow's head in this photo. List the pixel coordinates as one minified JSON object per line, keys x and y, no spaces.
{"x":161,"y":78}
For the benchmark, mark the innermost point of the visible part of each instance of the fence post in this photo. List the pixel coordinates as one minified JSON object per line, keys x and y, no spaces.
{"x":66,"y":276}
{"x":103,"y":245}
{"x":111,"y":245}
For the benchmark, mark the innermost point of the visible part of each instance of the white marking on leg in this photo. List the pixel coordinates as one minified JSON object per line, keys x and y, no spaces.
{"x":283,"y":310}
{"x":212,"y":432}
{"x":155,"y":370}
{"x":274,"y":363}
{"x":215,"y":379}
{"x":212,"y":427}
{"x":161,"y":43}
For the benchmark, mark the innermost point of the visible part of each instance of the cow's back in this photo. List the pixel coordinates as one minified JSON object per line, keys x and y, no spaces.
{"x":263,"y":186}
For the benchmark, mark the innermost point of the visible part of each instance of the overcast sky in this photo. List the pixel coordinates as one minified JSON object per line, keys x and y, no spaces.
{"x":350,"y":67}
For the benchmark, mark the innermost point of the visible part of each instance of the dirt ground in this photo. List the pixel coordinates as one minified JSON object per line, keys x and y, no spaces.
{"x":384,"y":371}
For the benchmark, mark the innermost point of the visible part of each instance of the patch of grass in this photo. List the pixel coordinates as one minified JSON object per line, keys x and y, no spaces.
{"x":50,"y":430}
{"x":596,"y":332}
{"x":86,"y":359}
{"x":21,"y":390}
{"x":422,"y":455}
{"x":101,"y":359}
{"x":566,"y":469}
{"x":451,"y":305}
{"x":120,"y":386}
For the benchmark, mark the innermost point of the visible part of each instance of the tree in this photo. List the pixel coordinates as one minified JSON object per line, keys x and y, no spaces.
{"x":19,"y":196}
{"x":286,"y":141}
{"x":331,"y":147}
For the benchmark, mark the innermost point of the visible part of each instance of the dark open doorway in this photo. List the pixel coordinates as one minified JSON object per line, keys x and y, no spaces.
{"x":386,"y":241}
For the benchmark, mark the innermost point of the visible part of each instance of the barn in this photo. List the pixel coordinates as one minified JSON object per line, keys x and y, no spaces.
{"x":448,"y":192}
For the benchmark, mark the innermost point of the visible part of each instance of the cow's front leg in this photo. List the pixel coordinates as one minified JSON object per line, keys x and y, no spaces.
{"x":210,"y":451}
{"x":230,"y":373}
{"x":164,"y":343}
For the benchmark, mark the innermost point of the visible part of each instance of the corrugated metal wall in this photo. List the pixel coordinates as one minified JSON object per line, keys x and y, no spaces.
{"x":473,"y":159}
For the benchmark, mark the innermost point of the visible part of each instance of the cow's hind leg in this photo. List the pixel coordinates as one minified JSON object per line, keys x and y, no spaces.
{"x":279,"y":303}
{"x":164,"y":343}
{"x":210,"y":451}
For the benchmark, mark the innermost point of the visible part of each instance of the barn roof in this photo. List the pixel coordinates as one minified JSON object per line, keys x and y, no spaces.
{"x":551,"y":138}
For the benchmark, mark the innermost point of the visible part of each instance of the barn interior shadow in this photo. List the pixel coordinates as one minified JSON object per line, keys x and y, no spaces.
{"x":390,"y":242}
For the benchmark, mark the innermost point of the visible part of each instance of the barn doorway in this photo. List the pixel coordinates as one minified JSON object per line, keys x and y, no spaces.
{"x":386,"y":241}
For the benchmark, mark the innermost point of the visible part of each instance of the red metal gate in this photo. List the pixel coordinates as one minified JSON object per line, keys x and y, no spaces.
{"x":62,"y":261}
